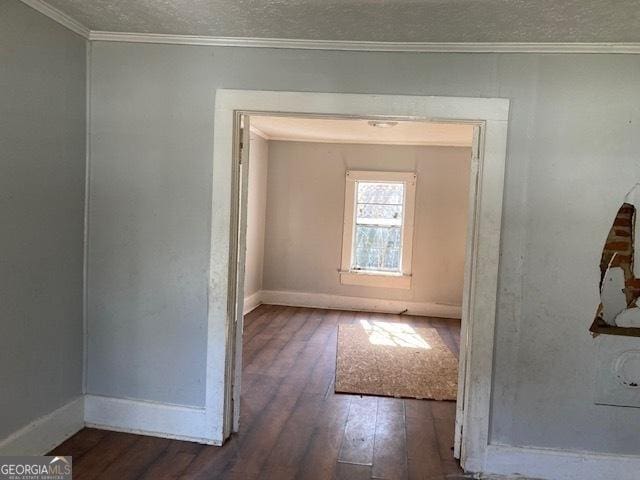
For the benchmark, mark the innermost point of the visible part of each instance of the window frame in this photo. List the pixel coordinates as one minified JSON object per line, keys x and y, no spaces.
{"x":350,"y":276}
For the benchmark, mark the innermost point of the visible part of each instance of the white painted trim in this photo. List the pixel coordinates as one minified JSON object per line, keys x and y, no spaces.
{"x":59,"y":17}
{"x":361,"y":106}
{"x":348,"y":223}
{"x":480,"y":295}
{"x":343,"y":45}
{"x":491,"y":114}
{"x":470,"y":246}
{"x":252,"y":302}
{"x":372,"y":279}
{"x":552,"y":464}
{"x":359,"y":304}
{"x":381,"y":176}
{"x":348,"y":45}
{"x":342,"y":141}
{"x":47,"y":432}
{"x":238,"y":250}
{"x":147,"y":418}
{"x":351,"y":277}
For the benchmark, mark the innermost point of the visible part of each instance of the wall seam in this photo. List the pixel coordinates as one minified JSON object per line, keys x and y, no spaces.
{"x":85,"y":242}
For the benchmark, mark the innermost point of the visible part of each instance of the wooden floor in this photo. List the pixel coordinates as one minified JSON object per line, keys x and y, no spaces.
{"x":292,"y":423}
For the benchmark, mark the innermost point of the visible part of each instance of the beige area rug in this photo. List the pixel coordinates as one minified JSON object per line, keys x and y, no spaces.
{"x":395,"y":360}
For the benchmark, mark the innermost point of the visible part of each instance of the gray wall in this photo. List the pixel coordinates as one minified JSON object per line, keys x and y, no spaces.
{"x":42,"y":168}
{"x":256,"y":213}
{"x":572,"y":153}
{"x":305,"y":205}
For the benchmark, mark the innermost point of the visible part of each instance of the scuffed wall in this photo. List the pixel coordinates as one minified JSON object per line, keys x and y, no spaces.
{"x":573,"y":145}
{"x":619,"y":312}
{"x":42,"y":176}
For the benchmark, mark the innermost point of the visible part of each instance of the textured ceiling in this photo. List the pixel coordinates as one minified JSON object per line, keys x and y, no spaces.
{"x":359,"y":131}
{"x":369,"y":20}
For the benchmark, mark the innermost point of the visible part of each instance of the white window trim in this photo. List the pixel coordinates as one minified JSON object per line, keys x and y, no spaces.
{"x":348,"y":276}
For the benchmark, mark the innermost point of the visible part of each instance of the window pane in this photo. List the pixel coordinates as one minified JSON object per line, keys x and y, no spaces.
{"x":377,"y":248}
{"x":380,"y":193}
{"x":378,"y":234}
{"x":379,"y":214}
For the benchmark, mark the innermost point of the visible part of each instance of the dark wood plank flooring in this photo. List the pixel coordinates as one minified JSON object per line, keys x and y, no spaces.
{"x":293,"y":426}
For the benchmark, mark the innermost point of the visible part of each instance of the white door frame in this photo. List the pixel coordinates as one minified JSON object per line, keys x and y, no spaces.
{"x":483,"y":240}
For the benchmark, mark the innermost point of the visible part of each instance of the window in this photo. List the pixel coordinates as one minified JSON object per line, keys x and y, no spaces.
{"x":378,"y":229}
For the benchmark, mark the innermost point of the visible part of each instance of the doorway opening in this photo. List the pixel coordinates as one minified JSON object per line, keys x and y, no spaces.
{"x":351,"y":255}
{"x":486,"y":121}
{"x":366,"y":219}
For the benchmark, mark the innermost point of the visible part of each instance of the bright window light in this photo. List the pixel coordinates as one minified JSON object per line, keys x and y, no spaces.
{"x":378,"y":228}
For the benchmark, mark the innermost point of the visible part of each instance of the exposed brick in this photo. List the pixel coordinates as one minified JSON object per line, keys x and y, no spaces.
{"x":631,"y":294}
{"x":617,"y":246}
{"x":626,"y":208}
{"x":622,"y":222}
{"x":621,"y":261}
{"x":619,"y":252}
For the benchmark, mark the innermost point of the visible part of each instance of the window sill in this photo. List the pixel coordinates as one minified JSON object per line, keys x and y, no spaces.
{"x":373,"y":279}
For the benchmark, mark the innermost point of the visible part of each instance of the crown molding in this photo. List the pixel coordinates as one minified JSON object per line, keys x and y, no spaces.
{"x":259,"y":132}
{"x":293,"y":138}
{"x":58,"y":16}
{"x":417,"y":47}
{"x":344,"y":45}
{"x":302,"y":138}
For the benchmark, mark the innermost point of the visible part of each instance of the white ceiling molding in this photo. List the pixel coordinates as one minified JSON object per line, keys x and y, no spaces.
{"x":260,"y":133}
{"x":345,"y":45}
{"x":286,"y":138}
{"x":418,"y":47}
{"x":58,"y":16}
{"x":360,"y":131}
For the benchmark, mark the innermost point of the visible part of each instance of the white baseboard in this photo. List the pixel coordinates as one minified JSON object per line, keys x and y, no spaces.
{"x":252,"y":302}
{"x":147,"y":418}
{"x":47,"y":432}
{"x":189,"y":423}
{"x":339,"y":302}
{"x":551,"y":464}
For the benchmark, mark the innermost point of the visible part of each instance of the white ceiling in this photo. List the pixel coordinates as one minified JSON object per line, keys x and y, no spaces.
{"x":368,"y":20}
{"x":359,"y":131}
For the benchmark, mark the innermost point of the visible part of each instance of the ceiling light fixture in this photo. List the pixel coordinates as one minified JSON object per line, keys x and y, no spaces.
{"x":381,"y":124}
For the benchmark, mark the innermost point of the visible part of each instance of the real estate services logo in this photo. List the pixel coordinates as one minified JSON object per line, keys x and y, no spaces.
{"x":35,"y":468}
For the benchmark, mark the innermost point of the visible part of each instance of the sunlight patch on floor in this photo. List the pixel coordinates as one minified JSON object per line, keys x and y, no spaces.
{"x":393,"y":335}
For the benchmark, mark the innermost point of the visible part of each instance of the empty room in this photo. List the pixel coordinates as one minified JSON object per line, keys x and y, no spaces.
{"x":319,"y":240}
{"x":355,"y":245}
